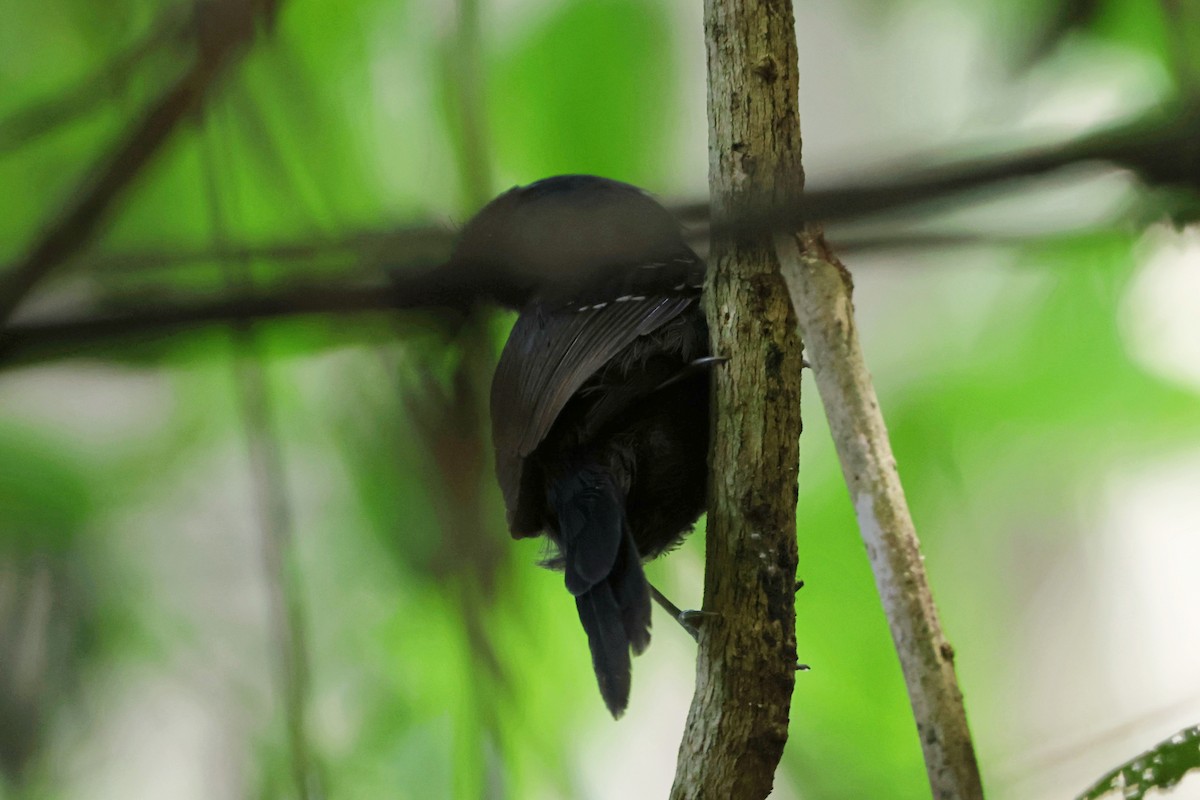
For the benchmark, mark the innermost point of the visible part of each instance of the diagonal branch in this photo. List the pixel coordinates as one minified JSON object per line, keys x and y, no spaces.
{"x":1162,"y":147}
{"x":225,"y":27}
{"x":287,"y":617}
{"x":820,"y":290}
{"x":48,"y":115}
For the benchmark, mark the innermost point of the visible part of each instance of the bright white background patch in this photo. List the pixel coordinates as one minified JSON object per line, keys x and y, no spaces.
{"x":1161,"y":313}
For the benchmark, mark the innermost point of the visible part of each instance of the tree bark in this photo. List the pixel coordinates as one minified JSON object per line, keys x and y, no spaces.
{"x":745,"y":671}
{"x":820,"y":289}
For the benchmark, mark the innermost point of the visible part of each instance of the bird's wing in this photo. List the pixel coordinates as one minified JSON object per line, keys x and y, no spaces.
{"x":549,"y":355}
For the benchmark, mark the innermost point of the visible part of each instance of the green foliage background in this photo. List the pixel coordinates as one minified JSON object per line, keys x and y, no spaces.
{"x":140,"y":656}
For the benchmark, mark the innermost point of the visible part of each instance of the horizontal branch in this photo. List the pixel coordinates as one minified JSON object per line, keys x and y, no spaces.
{"x":368,"y":248}
{"x":1161,"y":147}
{"x":34,"y":340}
{"x":445,"y":288}
{"x":1149,"y":144}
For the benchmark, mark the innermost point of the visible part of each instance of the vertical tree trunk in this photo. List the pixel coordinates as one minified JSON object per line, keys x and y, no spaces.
{"x":738,"y":722}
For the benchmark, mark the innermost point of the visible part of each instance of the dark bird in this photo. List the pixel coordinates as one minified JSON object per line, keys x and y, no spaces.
{"x":600,"y":402}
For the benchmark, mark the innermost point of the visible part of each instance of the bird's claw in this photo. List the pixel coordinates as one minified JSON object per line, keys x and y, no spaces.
{"x":698,"y":365}
{"x":691,"y":619}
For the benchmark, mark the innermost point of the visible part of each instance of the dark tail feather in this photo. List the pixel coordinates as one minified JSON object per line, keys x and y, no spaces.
{"x":633,"y":595}
{"x":601,"y":618}
{"x":616,"y":615}
{"x":591,"y":525}
{"x":604,"y":572}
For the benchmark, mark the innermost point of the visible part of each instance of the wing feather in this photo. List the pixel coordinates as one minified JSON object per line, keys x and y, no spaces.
{"x":550,"y":354}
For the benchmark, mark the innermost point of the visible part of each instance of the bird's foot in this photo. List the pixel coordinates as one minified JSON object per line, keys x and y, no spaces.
{"x":688,"y":620}
{"x":691,"y":620}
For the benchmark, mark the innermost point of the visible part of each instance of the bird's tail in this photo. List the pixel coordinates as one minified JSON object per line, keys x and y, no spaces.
{"x":604,"y":572}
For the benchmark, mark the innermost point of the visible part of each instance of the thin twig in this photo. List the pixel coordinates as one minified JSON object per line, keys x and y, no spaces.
{"x":820,"y":290}
{"x":367,"y":248}
{"x":456,"y":430}
{"x":37,"y":340}
{"x":466,"y":80}
{"x":225,"y":27}
{"x":287,"y":617}
{"x":89,"y":95}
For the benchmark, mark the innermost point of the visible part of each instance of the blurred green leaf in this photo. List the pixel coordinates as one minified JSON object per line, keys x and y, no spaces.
{"x":587,"y":90}
{"x":1161,"y":767}
{"x":1010,"y":392}
{"x":44,"y":497}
